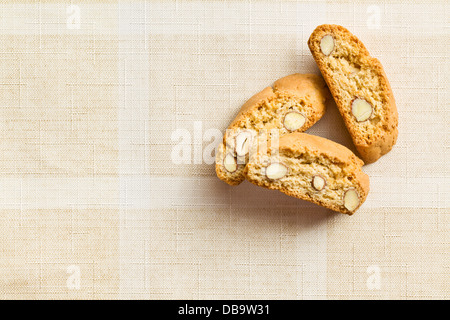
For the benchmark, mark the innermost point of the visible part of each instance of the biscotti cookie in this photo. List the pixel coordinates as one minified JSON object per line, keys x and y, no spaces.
{"x":294,"y":103}
{"x":360,"y":89}
{"x":312,"y":168}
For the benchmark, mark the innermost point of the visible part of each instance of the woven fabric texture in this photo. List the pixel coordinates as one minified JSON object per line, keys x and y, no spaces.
{"x":110,"y":112}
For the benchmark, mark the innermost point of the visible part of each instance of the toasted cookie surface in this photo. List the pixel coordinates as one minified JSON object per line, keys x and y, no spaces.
{"x":314,"y":169}
{"x":293,"y":104}
{"x":360,"y":89}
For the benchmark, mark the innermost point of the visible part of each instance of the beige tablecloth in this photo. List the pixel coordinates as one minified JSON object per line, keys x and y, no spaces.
{"x":110,"y":112}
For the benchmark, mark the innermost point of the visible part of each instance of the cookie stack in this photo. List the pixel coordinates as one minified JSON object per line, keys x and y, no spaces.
{"x":265,"y":143}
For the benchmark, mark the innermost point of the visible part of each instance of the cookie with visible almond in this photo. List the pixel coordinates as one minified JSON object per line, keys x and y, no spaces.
{"x":360,"y":89}
{"x":293,"y":104}
{"x":312,"y":168}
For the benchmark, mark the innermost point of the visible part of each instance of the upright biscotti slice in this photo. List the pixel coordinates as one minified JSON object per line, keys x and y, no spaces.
{"x":294,"y":103}
{"x":314,"y":169}
{"x":360,"y":88}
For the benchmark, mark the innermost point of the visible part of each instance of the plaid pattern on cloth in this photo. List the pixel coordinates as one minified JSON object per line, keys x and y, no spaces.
{"x":110,"y":112}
